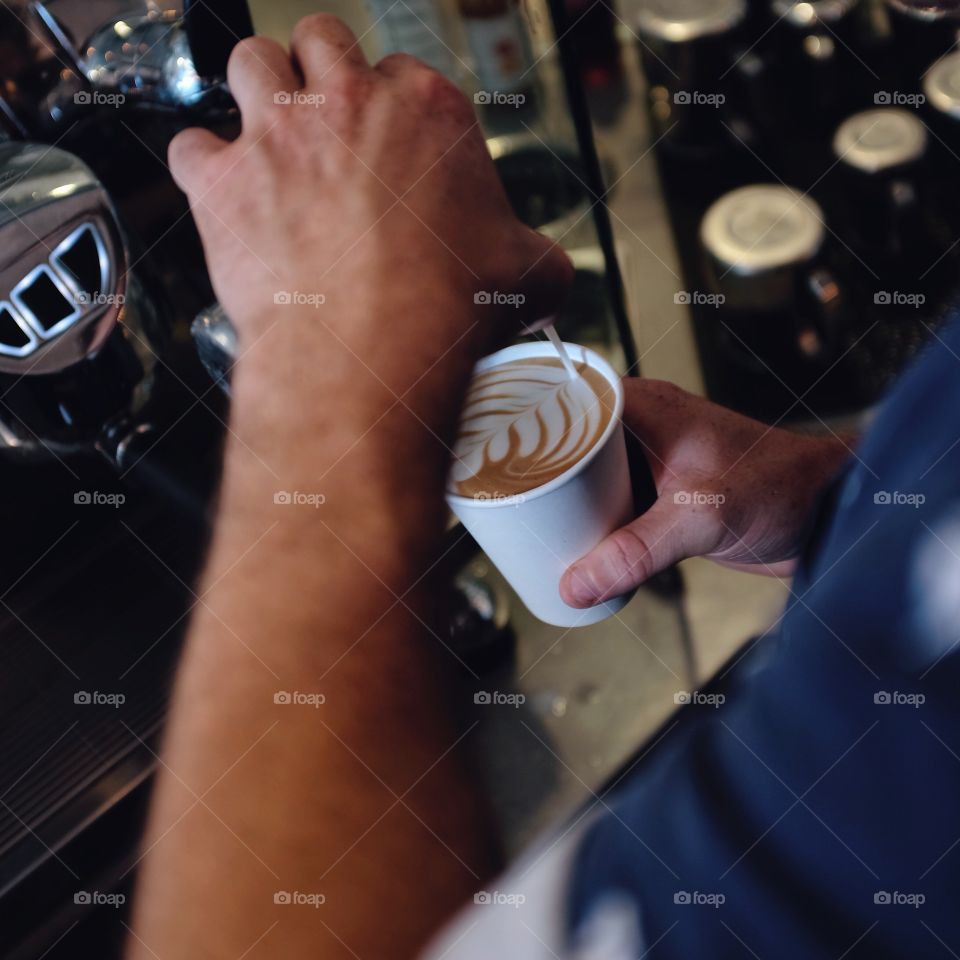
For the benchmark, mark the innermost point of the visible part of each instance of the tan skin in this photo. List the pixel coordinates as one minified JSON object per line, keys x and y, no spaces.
{"x":365,"y":800}
{"x":755,"y":484}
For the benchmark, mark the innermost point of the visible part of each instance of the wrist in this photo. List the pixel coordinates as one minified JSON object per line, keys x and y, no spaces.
{"x":346,"y":354}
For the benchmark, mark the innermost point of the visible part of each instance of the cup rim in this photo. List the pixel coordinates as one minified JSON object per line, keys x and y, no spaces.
{"x":543,"y":348}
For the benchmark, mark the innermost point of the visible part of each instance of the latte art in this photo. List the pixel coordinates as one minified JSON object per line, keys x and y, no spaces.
{"x":526,"y":422}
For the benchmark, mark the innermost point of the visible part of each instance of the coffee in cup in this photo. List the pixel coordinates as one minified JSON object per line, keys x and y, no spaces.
{"x":526,"y":422}
{"x":540,"y":471}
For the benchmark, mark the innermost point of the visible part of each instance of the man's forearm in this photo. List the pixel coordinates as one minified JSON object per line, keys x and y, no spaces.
{"x":361,"y":800}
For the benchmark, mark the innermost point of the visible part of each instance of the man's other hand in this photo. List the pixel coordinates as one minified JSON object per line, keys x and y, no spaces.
{"x":729,"y":488}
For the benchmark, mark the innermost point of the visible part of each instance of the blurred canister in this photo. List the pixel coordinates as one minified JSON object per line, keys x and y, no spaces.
{"x":922,"y":33}
{"x":882,"y":186}
{"x":816,"y":51}
{"x":687,"y":48}
{"x":778,"y":304}
{"x":941,"y":89}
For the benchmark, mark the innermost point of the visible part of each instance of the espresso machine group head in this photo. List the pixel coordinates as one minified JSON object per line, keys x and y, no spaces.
{"x":77,"y":336}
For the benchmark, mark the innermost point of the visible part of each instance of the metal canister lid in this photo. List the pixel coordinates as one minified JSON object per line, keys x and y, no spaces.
{"x":762,"y":227}
{"x":680,"y":21}
{"x":876,"y":140}
{"x":810,"y":13}
{"x":941,"y":85}
{"x":925,"y":10}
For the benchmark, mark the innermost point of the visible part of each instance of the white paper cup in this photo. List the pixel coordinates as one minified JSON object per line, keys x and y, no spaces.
{"x":533,"y":537}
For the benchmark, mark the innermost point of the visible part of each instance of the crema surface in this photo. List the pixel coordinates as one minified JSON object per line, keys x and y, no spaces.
{"x":526,"y":422}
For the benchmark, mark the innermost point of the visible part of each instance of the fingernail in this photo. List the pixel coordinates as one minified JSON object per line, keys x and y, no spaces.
{"x":580,"y":586}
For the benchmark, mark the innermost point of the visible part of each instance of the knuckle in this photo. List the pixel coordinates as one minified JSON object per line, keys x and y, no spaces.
{"x":317,"y":25}
{"x":660,"y":394}
{"x":561,"y":266}
{"x":345,"y":90}
{"x":245,"y":52}
{"x":183,"y":158}
{"x":403,"y":61}
{"x":434,"y":89}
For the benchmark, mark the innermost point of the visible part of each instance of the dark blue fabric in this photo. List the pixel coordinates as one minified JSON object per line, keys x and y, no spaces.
{"x":802,"y":800}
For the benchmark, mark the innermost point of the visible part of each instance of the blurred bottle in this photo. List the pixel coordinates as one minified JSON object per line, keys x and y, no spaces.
{"x":592,"y":23}
{"x":498,"y":42}
{"x":687,"y":52}
{"x":922,"y":33}
{"x":882,"y":191}
{"x":819,"y":53}
{"x":417,"y":27}
{"x":941,"y":89}
{"x":775,"y":315}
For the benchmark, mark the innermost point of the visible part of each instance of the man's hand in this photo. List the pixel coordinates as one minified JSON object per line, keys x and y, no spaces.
{"x":729,"y":488}
{"x":367,"y":195}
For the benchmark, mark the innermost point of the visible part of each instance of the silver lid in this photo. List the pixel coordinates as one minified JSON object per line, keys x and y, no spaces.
{"x":762,"y":227}
{"x":810,"y":14}
{"x":929,"y":11}
{"x":876,"y":140}
{"x":679,"y":21}
{"x":941,"y":85}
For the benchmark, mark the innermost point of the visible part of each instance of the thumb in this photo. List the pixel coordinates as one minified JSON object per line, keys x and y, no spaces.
{"x":627,"y":557}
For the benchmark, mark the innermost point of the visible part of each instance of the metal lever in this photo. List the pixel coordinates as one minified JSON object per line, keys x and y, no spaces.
{"x":213,"y":28}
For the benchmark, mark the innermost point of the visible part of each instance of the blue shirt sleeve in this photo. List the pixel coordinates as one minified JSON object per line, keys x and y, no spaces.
{"x":812,"y":808}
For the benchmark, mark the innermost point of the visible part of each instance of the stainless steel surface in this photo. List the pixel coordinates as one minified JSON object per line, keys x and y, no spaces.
{"x":876,"y":140}
{"x":48,"y":197}
{"x":216,"y":341}
{"x":148,"y":58}
{"x":140,"y":57}
{"x":86,"y":360}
